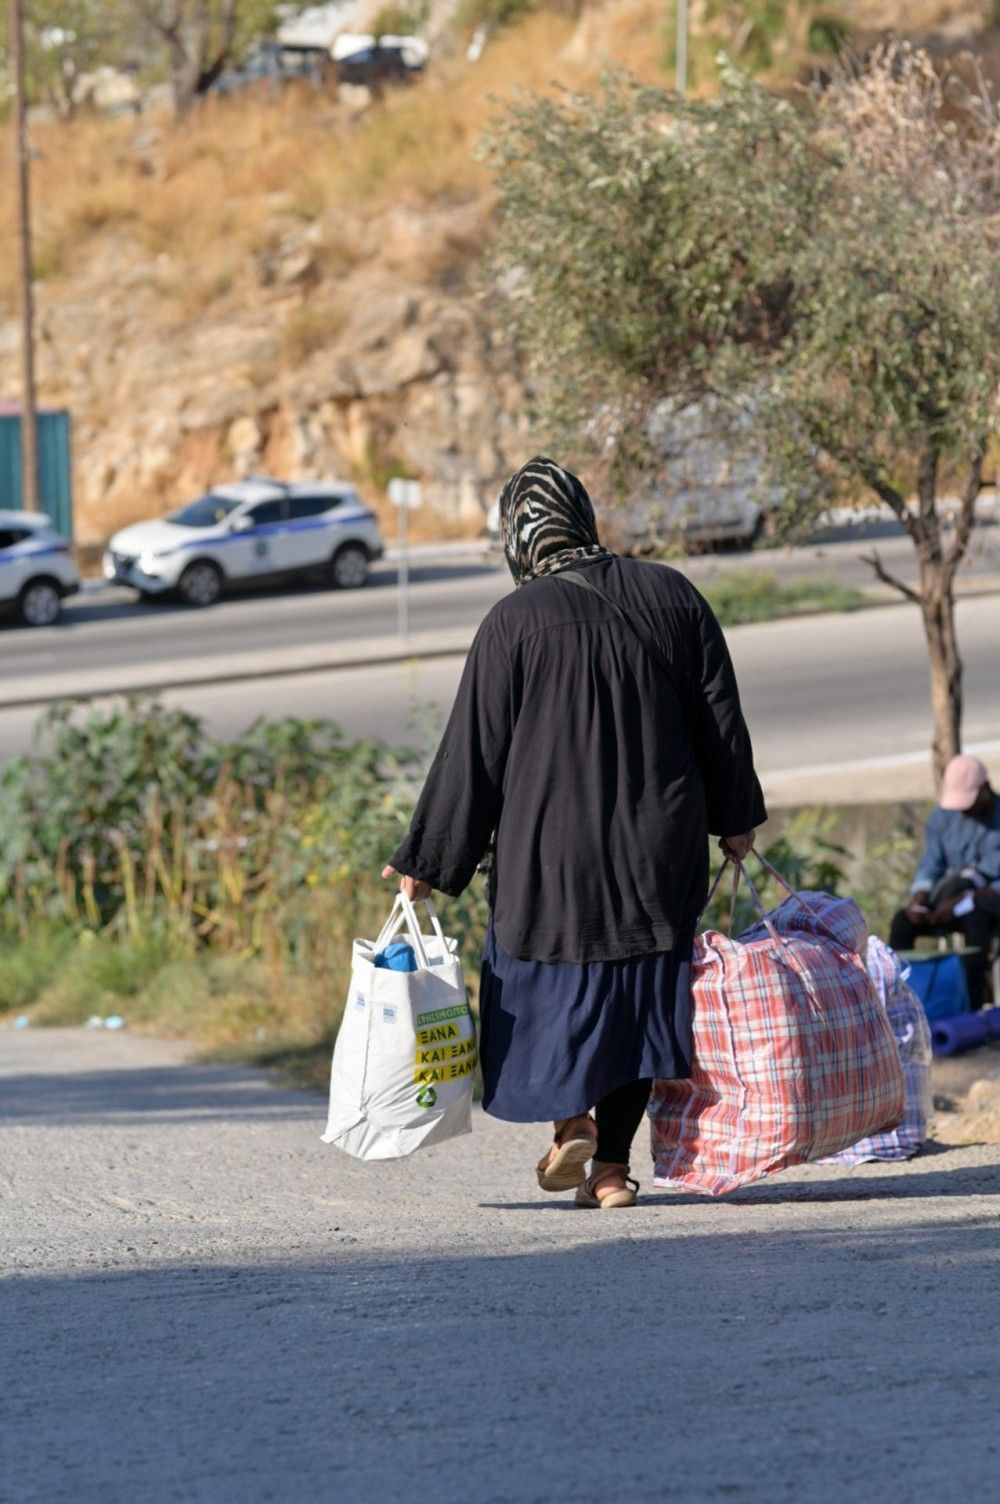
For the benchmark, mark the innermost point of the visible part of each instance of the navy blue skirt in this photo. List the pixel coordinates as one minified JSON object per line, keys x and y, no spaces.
{"x":557,"y":1036}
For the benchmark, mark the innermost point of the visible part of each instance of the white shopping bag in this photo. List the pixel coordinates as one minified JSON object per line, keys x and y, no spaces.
{"x":405,"y":1059}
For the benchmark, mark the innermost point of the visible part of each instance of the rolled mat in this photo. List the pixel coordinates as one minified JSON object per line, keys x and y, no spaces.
{"x":949,"y":1036}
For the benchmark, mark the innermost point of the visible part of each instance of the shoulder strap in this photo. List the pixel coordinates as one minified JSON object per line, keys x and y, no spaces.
{"x":654,"y":651}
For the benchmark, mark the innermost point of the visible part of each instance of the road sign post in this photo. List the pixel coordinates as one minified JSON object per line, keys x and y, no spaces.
{"x":404,"y":495}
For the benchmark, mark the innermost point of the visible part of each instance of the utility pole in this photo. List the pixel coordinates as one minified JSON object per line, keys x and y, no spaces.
{"x":404,"y":494}
{"x":29,"y":427}
{"x":682,"y":48}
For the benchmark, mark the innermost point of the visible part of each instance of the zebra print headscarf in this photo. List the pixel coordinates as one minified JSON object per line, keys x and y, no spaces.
{"x":546,"y":520}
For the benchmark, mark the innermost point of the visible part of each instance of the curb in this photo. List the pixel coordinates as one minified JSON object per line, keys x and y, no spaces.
{"x":416,"y":653}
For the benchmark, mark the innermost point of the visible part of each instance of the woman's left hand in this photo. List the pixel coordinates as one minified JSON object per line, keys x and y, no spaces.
{"x":415,"y":888}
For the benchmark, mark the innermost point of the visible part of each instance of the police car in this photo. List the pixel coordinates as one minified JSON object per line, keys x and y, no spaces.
{"x":36,"y":569}
{"x":258,"y":529}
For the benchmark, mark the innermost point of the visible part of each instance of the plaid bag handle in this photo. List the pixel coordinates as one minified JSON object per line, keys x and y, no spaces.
{"x":739,"y":871}
{"x":758,"y":902}
{"x":781,"y":881}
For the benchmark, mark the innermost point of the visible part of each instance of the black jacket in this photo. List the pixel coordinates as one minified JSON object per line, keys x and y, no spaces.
{"x":601,"y":775}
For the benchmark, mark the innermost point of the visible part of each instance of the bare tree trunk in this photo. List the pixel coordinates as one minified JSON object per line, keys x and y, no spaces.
{"x":936,"y":593}
{"x":938,"y":610}
{"x":200,"y":42}
{"x":184,"y":85}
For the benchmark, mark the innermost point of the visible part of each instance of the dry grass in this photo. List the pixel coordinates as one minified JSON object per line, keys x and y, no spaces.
{"x":310,"y":328}
{"x":916,"y":15}
{"x":224,"y":178}
{"x":308,"y":199}
{"x":220,"y":185}
{"x":216,"y":186}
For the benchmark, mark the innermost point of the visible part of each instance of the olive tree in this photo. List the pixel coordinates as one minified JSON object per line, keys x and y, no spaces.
{"x":64,"y":41}
{"x":189,"y":42}
{"x":830,"y":266}
{"x":201,"y":38}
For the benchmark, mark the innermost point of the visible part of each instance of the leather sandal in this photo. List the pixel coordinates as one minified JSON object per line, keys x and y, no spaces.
{"x":588,"y":1192}
{"x":565,"y":1164}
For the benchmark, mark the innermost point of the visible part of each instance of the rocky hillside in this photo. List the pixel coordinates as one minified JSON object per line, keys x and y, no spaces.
{"x":279,"y":284}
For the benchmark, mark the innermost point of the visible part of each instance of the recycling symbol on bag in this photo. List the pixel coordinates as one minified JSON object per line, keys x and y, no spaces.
{"x":427,"y":1097}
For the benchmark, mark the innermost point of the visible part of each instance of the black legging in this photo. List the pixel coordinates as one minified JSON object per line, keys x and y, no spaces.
{"x":979,"y":928}
{"x":618,"y":1116}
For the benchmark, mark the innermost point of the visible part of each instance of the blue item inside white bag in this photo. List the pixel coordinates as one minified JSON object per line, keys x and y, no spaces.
{"x":404,"y":1064}
{"x":940,"y":983}
{"x":399,"y":956}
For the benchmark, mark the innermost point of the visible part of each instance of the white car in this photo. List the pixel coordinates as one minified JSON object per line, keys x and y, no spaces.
{"x":251,"y":530}
{"x":36,"y":569}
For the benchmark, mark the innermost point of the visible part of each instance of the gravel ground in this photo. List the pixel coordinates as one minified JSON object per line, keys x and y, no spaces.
{"x":203,"y":1303}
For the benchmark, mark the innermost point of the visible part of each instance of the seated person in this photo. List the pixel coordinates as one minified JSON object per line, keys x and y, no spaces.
{"x":957,"y":886}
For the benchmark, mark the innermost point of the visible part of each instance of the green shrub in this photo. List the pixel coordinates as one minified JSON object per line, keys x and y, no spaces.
{"x":28,"y":965}
{"x":207,"y":889}
{"x":213,"y":890}
{"x":99,"y":974}
{"x":131,"y":818}
{"x":748,"y":595}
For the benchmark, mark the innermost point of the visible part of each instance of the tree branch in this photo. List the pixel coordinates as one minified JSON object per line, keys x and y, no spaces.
{"x":890,"y":579}
{"x":168,"y":27}
{"x":892,"y":498}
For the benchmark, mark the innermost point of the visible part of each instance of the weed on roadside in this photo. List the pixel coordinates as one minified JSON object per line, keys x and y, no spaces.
{"x":748,"y":596}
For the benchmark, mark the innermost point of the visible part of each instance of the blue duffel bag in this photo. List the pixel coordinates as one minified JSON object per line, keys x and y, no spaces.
{"x":940,"y":983}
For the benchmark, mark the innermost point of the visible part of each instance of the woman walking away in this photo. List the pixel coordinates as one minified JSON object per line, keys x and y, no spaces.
{"x":597,"y":738}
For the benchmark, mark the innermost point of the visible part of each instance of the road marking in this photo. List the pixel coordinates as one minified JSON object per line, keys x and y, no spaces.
{"x":872,"y":764}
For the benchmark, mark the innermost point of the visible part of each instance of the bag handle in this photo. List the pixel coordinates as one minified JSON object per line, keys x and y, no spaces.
{"x":403,"y":912}
{"x":740,"y":871}
{"x":781,"y":881}
{"x":757,"y":901}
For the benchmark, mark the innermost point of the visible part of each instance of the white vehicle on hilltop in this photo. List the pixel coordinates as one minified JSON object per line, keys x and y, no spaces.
{"x":257,"y":529}
{"x":36,"y":569}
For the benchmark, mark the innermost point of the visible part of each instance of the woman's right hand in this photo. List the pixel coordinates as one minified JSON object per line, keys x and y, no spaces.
{"x":415,"y":888}
{"x":738,"y":848}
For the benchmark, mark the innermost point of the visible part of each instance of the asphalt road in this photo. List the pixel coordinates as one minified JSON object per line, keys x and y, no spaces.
{"x":201,"y":1302}
{"x":108,"y":630}
{"x":838,"y":705}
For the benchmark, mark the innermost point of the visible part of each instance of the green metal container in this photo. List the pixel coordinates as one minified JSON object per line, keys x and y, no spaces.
{"x":55,"y":486}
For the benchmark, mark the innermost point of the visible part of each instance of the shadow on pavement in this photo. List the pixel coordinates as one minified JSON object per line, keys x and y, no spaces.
{"x":81,"y":611}
{"x":173,"y":1093}
{"x":429,"y":574}
{"x":789,"y":1365}
{"x":896,"y":1183}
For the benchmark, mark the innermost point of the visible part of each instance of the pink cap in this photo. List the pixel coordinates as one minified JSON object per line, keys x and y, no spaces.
{"x":963,"y":778}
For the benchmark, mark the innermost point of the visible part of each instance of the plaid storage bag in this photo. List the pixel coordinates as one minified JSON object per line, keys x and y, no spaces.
{"x":793,"y":1054}
{"x":913,"y":1040}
